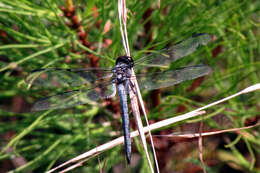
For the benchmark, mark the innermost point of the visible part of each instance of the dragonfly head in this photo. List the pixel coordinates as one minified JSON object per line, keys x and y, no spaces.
{"x":126,"y":60}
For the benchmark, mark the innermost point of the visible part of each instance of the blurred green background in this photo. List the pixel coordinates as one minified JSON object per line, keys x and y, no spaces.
{"x":79,"y":34}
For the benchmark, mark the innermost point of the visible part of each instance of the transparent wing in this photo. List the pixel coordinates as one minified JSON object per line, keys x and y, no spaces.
{"x":76,"y":97}
{"x":56,"y":77}
{"x":168,"y":78}
{"x":166,"y":56}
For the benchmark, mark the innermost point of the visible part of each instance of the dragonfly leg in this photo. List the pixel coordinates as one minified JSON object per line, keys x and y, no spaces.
{"x":132,"y":87}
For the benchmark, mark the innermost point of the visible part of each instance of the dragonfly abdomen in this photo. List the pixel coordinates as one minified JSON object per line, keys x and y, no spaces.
{"x":125,"y":119}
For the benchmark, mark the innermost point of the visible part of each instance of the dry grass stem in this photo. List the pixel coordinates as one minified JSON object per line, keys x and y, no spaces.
{"x":122,"y":13}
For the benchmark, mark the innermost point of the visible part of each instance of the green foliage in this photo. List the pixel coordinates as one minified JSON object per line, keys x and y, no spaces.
{"x":34,"y":34}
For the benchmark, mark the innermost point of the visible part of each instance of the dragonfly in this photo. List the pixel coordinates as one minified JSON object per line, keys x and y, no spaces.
{"x":102,"y":83}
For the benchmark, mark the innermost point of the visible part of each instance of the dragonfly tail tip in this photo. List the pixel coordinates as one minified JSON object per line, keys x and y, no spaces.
{"x":128,"y":158}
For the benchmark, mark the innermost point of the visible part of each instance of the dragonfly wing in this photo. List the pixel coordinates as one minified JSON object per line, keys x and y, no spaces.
{"x":166,"y":56}
{"x":168,"y":78}
{"x":56,"y":77}
{"x":76,"y":97}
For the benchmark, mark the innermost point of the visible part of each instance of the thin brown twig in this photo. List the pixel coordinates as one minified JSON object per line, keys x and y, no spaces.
{"x":197,"y":135}
{"x":200,"y":145}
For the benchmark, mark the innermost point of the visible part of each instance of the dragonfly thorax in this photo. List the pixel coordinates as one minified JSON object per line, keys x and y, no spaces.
{"x":122,"y":70}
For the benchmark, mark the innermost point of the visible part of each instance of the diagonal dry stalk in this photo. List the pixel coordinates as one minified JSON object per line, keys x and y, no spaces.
{"x":160,"y":124}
